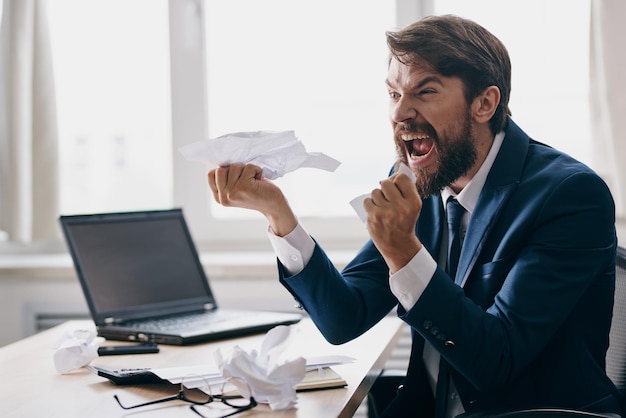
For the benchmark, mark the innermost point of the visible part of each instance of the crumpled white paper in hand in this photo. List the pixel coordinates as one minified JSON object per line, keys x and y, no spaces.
{"x":75,"y":350}
{"x":357,"y":202}
{"x":269,"y":381}
{"x":277,"y":153}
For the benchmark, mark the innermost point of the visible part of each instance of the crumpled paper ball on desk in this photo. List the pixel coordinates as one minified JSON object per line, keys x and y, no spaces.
{"x":269,"y":380}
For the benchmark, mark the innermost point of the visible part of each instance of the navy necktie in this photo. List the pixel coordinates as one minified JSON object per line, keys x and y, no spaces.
{"x":454,"y":213}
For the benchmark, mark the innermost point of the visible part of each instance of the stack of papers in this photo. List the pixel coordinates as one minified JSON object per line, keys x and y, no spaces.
{"x":319,"y":375}
{"x":322,"y":378}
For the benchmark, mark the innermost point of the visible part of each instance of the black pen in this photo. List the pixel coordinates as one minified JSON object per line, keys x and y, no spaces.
{"x":114,"y":350}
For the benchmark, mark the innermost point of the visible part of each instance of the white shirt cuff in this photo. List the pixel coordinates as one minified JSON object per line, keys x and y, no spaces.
{"x":294,"y":250}
{"x":408,"y":283}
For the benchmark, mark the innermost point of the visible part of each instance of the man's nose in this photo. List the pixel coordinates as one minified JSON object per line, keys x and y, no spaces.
{"x":402,"y":110}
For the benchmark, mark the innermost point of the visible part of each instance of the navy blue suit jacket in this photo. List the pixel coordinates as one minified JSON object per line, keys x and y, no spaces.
{"x":525,"y":322}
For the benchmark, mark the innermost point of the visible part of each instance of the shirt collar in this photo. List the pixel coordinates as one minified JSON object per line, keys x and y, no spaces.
{"x":469,"y":195}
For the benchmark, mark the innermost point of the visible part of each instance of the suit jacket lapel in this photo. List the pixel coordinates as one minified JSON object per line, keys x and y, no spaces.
{"x":479,"y":228}
{"x":502,"y":180}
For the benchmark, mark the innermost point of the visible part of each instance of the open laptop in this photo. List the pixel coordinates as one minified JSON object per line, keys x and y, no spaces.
{"x":143,"y":281}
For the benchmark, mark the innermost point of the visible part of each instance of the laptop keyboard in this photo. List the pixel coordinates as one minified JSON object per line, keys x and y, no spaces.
{"x":190,"y":321}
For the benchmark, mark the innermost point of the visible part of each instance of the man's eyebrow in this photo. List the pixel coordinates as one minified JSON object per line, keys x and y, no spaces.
{"x":429,"y":79}
{"x":422,"y":83}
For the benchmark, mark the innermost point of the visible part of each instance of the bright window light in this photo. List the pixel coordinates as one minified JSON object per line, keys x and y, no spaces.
{"x":548,"y":42}
{"x":111,"y":64}
{"x":315,"y":67}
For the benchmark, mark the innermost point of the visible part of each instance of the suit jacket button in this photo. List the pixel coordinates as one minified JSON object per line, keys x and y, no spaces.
{"x":449,"y":343}
{"x":427,"y":324}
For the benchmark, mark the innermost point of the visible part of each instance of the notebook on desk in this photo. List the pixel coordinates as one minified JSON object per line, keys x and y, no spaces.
{"x":143,"y":281}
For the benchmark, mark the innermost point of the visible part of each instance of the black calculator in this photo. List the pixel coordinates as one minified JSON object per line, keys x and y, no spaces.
{"x":127,"y":376}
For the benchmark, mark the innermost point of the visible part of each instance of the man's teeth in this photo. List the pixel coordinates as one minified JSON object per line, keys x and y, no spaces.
{"x":408,"y":140}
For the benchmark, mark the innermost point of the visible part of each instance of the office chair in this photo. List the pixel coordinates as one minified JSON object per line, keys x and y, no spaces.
{"x":615,"y":362}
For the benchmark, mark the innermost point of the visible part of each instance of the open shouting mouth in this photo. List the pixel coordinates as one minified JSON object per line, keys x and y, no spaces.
{"x":417,"y":145}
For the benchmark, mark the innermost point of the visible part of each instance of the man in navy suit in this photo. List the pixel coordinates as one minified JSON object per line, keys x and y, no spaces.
{"x":524,"y":321}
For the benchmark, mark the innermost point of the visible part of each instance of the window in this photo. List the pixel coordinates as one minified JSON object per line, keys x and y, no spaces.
{"x":111,"y":63}
{"x":281,"y":67}
{"x":137,"y":79}
{"x":550,"y":80}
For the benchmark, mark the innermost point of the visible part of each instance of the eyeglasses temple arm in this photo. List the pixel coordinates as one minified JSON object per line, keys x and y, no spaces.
{"x":169,"y":398}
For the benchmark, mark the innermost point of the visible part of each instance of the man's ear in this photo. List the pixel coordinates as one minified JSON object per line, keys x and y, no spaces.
{"x":485,"y":104}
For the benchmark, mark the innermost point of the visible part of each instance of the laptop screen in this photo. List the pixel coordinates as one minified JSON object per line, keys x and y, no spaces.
{"x":136,"y":261}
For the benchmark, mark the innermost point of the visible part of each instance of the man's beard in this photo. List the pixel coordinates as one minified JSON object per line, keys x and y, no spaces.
{"x":456,"y":155}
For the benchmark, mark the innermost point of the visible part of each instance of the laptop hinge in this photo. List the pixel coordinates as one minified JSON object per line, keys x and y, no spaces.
{"x":209,"y":306}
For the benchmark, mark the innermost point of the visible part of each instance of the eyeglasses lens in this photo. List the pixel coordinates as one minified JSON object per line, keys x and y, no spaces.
{"x":195,"y":395}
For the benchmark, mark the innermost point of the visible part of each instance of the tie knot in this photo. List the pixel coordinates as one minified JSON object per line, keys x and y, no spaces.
{"x":454,"y":213}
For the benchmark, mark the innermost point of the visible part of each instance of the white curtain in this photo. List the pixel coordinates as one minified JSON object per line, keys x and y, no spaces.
{"x":608,"y":95}
{"x":29,"y":192}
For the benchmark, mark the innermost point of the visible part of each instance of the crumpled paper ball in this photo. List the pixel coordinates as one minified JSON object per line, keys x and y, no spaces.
{"x":268,"y":380}
{"x":75,"y":350}
{"x":357,"y":202}
{"x":277,"y":153}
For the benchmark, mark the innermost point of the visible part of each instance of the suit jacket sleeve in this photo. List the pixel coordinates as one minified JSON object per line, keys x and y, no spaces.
{"x":344,"y":304}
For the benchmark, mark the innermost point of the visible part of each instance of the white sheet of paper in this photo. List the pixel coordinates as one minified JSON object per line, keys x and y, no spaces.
{"x":357,"y":202}
{"x":277,"y":153}
{"x":211,"y":373}
{"x":189,"y":373}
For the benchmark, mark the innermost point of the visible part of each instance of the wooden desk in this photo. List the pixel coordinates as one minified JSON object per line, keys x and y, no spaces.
{"x":31,"y":386}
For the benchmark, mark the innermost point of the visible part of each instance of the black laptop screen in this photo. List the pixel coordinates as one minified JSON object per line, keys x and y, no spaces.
{"x":143,"y":262}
